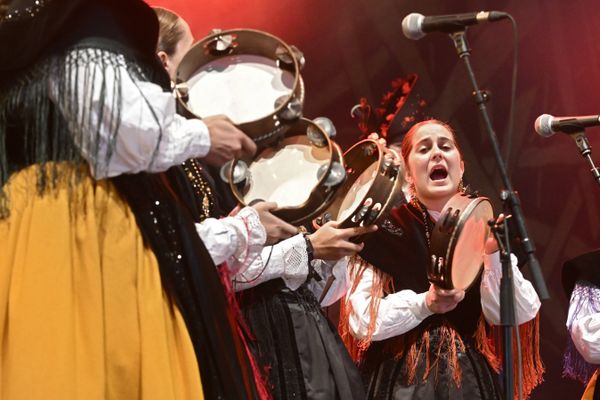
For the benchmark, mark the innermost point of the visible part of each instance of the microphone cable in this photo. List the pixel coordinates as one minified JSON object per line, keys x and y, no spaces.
{"x":509,"y":136}
{"x":513,"y":95}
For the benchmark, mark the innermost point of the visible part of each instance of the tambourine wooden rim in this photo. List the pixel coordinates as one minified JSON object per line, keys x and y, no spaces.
{"x":446,"y":234}
{"x":247,"y":42}
{"x":320,"y":195}
{"x":384,"y":190}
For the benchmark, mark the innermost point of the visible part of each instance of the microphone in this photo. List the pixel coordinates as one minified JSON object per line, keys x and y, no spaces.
{"x":547,"y":125}
{"x":415,"y":25}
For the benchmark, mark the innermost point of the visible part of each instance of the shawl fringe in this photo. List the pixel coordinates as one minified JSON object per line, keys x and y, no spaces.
{"x":261,"y":374}
{"x":71,"y":97}
{"x":417,"y":344}
{"x":574,"y":365}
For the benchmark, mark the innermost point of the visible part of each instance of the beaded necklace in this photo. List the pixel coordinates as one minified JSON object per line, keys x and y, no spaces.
{"x":194,"y":172}
{"x":426,"y":220}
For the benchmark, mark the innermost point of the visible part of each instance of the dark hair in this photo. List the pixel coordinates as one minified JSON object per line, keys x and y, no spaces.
{"x":170,"y":30}
{"x":406,"y":145}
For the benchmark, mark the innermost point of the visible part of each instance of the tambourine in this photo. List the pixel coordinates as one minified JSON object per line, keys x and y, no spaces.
{"x":250,"y":76}
{"x":458,"y":241}
{"x":373,"y":186}
{"x":300,"y":172}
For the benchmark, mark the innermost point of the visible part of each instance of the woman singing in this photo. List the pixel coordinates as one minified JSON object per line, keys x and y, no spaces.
{"x":413,"y":339}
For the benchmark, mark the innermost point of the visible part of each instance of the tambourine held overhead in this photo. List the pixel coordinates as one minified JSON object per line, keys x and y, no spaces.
{"x":250,"y":76}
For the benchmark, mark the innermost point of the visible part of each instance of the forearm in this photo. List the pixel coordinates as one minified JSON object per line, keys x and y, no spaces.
{"x":287,"y":260}
{"x":396,"y":314}
{"x":236,"y":241}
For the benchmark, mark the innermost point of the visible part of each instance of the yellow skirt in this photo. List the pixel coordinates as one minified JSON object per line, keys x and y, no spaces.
{"x":83,"y":314}
{"x":588,"y":394}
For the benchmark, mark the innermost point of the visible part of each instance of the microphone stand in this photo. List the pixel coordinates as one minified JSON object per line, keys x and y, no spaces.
{"x":507,"y":303}
{"x":586,"y":151}
{"x":512,"y":206}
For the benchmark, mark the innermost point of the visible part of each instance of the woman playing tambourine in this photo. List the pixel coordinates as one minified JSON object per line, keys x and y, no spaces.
{"x":413,"y":339}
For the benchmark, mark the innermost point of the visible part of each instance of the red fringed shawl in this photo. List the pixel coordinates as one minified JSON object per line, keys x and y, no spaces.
{"x":414,"y":344}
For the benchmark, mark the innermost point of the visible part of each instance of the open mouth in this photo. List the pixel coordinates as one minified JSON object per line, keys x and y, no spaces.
{"x":438,"y":173}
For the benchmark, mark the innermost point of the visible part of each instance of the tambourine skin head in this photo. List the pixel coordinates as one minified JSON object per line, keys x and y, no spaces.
{"x":458,"y":242}
{"x":372,"y":187}
{"x":295,"y":173}
{"x":250,"y":76}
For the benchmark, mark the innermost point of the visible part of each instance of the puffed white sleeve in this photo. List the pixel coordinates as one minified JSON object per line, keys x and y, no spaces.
{"x":527,"y":302}
{"x":236,"y":240}
{"x":120,"y":122}
{"x":287,"y":260}
{"x":583,"y":321}
{"x":397,"y":313}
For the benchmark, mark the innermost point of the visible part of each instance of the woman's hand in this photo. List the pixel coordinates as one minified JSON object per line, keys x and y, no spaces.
{"x":491,"y":245}
{"x":440,"y":301}
{"x":331,"y":243}
{"x":276,"y":228}
{"x":226,"y":141}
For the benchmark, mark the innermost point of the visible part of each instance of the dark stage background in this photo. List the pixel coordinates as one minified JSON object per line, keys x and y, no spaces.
{"x":354,"y":48}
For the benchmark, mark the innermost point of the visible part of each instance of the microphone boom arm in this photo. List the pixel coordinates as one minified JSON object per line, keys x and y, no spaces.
{"x":586,"y":151}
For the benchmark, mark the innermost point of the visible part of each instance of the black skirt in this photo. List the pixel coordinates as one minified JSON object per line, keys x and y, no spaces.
{"x":388,"y":380}
{"x":300,"y":348}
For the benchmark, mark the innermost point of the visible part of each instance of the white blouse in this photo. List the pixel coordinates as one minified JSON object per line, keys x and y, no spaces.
{"x":402,"y":311}
{"x":147,"y":119}
{"x":584,"y":321}
{"x":288,"y":260}
{"x":236,"y":241}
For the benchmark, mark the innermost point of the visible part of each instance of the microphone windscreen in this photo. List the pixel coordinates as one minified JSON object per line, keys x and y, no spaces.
{"x":411,"y":26}
{"x":543,"y":125}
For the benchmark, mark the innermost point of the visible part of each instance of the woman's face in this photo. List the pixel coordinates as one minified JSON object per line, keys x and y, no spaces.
{"x":171,"y":63}
{"x":434,"y":165}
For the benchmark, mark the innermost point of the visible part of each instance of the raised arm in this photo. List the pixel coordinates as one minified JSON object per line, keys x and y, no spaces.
{"x":120,"y":122}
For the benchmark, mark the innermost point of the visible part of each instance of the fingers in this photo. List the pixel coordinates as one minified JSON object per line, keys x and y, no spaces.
{"x":349,"y":248}
{"x":248,"y":145}
{"x":288,"y":229}
{"x":331,"y":224}
{"x":501,"y":218}
{"x":357,"y":230}
{"x":227,"y":141}
{"x":264,"y":205}
{"x":344,"y":249}
{"x":447,"y":292}
{"x":279,"y":231}
{"x":276,"y":228}
{"x":452,"y":297}
{"x":442,"y":300}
